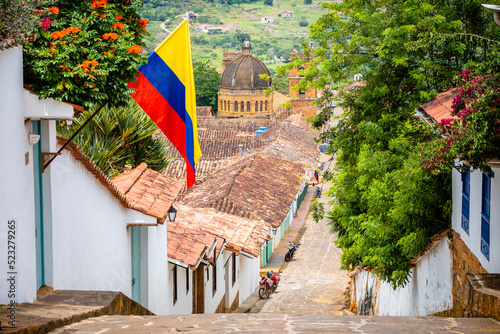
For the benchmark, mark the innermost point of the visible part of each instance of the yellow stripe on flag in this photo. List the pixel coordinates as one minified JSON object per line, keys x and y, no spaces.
{"x":176,"y":53}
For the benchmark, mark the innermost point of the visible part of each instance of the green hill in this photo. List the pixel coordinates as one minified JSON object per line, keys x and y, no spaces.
{"x":237,"y":18}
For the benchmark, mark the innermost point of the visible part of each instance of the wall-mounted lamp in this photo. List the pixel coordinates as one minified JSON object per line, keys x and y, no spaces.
{"x":274,"y":230}
{"x":172,"y":212}
{"x":496,"y":12}
{"x":33,"y":139}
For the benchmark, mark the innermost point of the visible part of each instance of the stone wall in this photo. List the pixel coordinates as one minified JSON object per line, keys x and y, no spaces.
{"x":304,"y":107}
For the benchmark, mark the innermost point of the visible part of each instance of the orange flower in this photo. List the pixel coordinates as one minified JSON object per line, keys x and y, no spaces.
{"x":112,"y":50}
{"x":103,"y":15}
{"x":135,"y":49}
{"x":93,"y":86}
{"x":85,"y":20}
{"x":98,"y":3}
{"x":143,"y":22}
{"x":111,"y":36}
{"x":54,"y":10}
{"x":119,"y":17}
{"x":100,"y":40}
{"x":94,"y":63}
{"x":118,"y":25}
{"x":86,"y":70}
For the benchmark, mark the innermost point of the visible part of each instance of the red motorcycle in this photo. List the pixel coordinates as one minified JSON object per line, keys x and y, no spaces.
{"x":275,"y":278}
{"x":266,"y":287}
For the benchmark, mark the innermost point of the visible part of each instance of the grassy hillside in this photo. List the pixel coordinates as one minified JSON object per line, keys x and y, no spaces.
{"x":268,"y":40}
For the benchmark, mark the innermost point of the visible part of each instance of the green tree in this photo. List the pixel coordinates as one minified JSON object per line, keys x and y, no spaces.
{"x":206,"y":82}
{"x":386,"y":205}
{"x":307,"y":2}
{"x":119,"y":137}
{"x":268,"y":2}
{"x":303,"y":22}
{"x":86,"y":52}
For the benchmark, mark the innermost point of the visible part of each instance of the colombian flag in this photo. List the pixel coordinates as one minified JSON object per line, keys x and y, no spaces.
{"x":316,"y":174}
{"x":165,"y":91}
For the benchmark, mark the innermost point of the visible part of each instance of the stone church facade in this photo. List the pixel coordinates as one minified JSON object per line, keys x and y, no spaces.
{"x":241,"y":90}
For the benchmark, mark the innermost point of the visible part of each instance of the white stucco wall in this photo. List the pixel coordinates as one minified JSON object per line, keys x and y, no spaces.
{"x":16,"y":180}
{"x":91,"y":241}
{"x":91,"y":244}
{"x":428,"y":291}
{"x":184,"y":303}
{"x":248,"y":276}
{"x":157,"y":269}
{"x":231,"y":289}
{"x":213,"y":300}
{"x":473,"y":239}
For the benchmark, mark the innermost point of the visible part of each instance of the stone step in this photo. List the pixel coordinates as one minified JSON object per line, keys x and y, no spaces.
{"x":275,"y":323}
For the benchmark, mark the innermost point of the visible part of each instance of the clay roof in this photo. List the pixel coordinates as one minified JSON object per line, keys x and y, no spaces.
{"x":440,"y":107}
{"x":290,"y":142}
{"x":279,"y":99}
{"x":353,"y":85}
{"x":189,"y":244}
{"x":204,"y":112}
{"x":258,"y":186}
{"x":236,"y":124}
{"x":141,"y":189}
{"x":241,"y":234}
{"x":148,"y":191}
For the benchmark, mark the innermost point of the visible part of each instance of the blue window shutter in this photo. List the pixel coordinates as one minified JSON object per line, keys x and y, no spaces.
{"x":465,"y":201}
{"x":485,"y":216}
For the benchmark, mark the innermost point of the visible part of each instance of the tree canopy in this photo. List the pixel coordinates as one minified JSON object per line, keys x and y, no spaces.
{"x":86,"y":52}
{"x":386,"y":204}
{"x":206,"y":82}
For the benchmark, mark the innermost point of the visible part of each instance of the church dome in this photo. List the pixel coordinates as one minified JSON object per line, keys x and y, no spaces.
{"x":244,"y":73}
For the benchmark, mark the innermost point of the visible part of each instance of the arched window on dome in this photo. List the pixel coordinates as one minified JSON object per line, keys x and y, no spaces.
{"x":242,"y":106}
{"x":256,"y":106}
{"x":224,"y":105}
{"x":266,"y":105}
{"x":261,"y":103}
{"x":248,"y":106}
{"x":235,"y":105}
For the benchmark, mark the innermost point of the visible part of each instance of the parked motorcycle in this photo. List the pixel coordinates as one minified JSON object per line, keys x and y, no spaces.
{"x":266,"y":287}
{"x":319,"y":192}
{"x":275,"y":278}
{"x":291,"y":250}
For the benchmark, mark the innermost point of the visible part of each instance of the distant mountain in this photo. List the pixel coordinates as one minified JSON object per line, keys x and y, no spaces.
{"x":223,"y":24}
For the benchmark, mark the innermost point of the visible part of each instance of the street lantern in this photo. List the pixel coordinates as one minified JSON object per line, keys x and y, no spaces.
{"x":496,"y":12}
{"x":172,"y":212}
{"x":274,"y":230}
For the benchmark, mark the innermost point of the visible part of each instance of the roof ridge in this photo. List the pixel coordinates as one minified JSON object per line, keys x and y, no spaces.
{"x":142,"y":168}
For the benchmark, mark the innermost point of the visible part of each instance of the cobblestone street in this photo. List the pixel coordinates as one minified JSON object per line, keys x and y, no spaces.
{"x":312,"y":283}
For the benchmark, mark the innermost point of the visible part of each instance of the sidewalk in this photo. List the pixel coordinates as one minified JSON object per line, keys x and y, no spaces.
{"x":277,"y":260}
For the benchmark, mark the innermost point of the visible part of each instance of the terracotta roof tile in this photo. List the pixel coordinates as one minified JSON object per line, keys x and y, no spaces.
{"x":240,"y":234}
{"x":291,"y":142}
{"x":440,"y":107}
{"x":258,"y":186}
{"x":148,"y":191}
{"x":204,"y":112}
{"x":279,"y":99}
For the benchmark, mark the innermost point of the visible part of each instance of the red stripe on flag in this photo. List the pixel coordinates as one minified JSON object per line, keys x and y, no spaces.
{"x":167,"y":119}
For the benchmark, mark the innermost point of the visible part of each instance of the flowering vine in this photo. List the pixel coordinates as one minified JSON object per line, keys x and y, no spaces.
{"x":472,"y":134}
{"x":86,"y":52}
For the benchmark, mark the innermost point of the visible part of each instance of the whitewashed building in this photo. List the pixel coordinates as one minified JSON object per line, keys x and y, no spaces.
{"x":214,"y":260}
{"x":74,"y":229}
